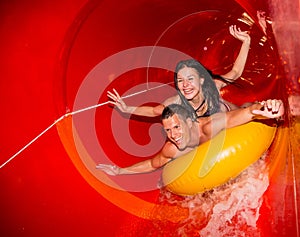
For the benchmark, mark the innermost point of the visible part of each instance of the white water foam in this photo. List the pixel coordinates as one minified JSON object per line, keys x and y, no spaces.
{"x":229,"y":210}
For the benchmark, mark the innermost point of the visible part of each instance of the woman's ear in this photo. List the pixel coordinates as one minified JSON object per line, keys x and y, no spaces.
{"x":201,"y":81}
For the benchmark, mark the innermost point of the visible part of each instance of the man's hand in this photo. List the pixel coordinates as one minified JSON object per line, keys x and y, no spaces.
{"x":270,"y":109}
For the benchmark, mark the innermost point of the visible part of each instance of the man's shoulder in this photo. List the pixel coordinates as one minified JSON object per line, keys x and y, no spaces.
{"x":172,"y":100}
{"x":169,"y":150}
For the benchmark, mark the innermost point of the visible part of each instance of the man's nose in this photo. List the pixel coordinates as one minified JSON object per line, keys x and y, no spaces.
{"x":173,"y":134}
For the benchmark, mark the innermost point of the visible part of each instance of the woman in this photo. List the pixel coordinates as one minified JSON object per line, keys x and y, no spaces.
{"x":197,"y":91}
{"x":196,"y":88}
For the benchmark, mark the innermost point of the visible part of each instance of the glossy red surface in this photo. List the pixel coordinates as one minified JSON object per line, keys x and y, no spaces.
{"x":47,"y":50}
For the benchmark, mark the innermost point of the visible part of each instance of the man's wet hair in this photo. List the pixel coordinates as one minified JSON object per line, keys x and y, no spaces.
{"x":178,"y":109}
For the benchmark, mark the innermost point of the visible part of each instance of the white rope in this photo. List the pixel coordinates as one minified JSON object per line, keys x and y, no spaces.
{"x":87,"y":108}
{"x":66,"y":115}
{"x":32,"y":141}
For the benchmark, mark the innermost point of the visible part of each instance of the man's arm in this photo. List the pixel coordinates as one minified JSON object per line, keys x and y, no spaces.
{"x":216,"y":123}
{"x":268,"y":109}
{"x":168,"y":152}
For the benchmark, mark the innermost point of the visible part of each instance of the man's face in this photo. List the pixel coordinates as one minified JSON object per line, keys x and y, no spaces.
{"x":178,"y":131}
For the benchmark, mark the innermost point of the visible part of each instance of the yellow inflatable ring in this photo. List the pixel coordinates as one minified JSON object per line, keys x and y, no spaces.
{"x":214,"y":162}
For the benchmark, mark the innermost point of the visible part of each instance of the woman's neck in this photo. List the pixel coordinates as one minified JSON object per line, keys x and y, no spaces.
{"x":197,"y":102}
{"x":200,"y":105}
{"x":202,"y":109}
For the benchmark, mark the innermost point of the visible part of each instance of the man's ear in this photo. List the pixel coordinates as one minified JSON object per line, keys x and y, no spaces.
{"x":189,"y":122}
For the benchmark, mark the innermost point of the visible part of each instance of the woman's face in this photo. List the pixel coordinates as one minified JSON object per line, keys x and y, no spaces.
{"x":189,"y":83}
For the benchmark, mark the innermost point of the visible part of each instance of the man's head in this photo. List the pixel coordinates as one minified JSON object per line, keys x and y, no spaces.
{"x":177,"y":123}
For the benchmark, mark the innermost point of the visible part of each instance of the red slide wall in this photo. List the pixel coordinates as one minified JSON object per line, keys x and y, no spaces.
{"x":49,"y":50}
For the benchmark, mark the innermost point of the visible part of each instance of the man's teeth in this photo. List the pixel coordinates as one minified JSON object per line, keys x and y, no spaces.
{"x":177,"y":139}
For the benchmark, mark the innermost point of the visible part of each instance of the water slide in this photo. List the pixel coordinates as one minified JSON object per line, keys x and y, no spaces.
{"x":58,"y":60}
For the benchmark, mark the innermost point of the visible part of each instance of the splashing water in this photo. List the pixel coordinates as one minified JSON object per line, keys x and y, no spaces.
{"x":229,"y":210}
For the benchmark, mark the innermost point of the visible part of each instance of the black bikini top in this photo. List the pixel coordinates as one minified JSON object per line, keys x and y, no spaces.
{"x":205,"y":114}
{"x":208,"y":112}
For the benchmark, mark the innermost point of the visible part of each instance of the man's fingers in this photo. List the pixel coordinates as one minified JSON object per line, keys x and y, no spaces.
{"x":257,"y":112}
{"x":101,"y":166}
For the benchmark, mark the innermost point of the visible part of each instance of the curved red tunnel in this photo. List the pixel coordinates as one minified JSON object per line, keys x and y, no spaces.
{"x":49,"y":52}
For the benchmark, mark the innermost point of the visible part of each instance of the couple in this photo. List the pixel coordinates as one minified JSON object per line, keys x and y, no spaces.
{"x":185,"y":134}
{"x":198,"y":93}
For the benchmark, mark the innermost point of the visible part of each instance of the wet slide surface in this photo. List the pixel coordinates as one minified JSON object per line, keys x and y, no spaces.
{"x":62,"y":56}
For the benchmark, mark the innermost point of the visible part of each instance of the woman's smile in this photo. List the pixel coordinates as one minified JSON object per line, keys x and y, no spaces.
{"x":188,"y":82}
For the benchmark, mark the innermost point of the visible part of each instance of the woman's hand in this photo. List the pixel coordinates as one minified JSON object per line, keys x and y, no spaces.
{"x":240,"y":35}
{"x":118,"y":101}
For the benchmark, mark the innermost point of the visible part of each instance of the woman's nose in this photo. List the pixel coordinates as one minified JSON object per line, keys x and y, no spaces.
{"x":185,"y":82}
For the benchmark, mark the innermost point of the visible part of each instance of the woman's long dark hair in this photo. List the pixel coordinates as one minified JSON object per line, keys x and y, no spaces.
{"x":209,"y":89}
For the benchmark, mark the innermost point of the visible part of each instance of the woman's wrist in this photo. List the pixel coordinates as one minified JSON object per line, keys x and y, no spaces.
{"x":130,"y":109}
{"x":247,"y":42}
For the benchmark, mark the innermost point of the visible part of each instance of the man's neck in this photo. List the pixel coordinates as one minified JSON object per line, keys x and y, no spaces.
{"x":195,"y":135}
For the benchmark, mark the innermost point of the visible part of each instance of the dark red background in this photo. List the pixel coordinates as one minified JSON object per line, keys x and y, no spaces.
{"x":47,"y":48}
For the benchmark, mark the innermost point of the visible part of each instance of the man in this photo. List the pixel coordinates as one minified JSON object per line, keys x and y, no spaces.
{"x":184,"y":134}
